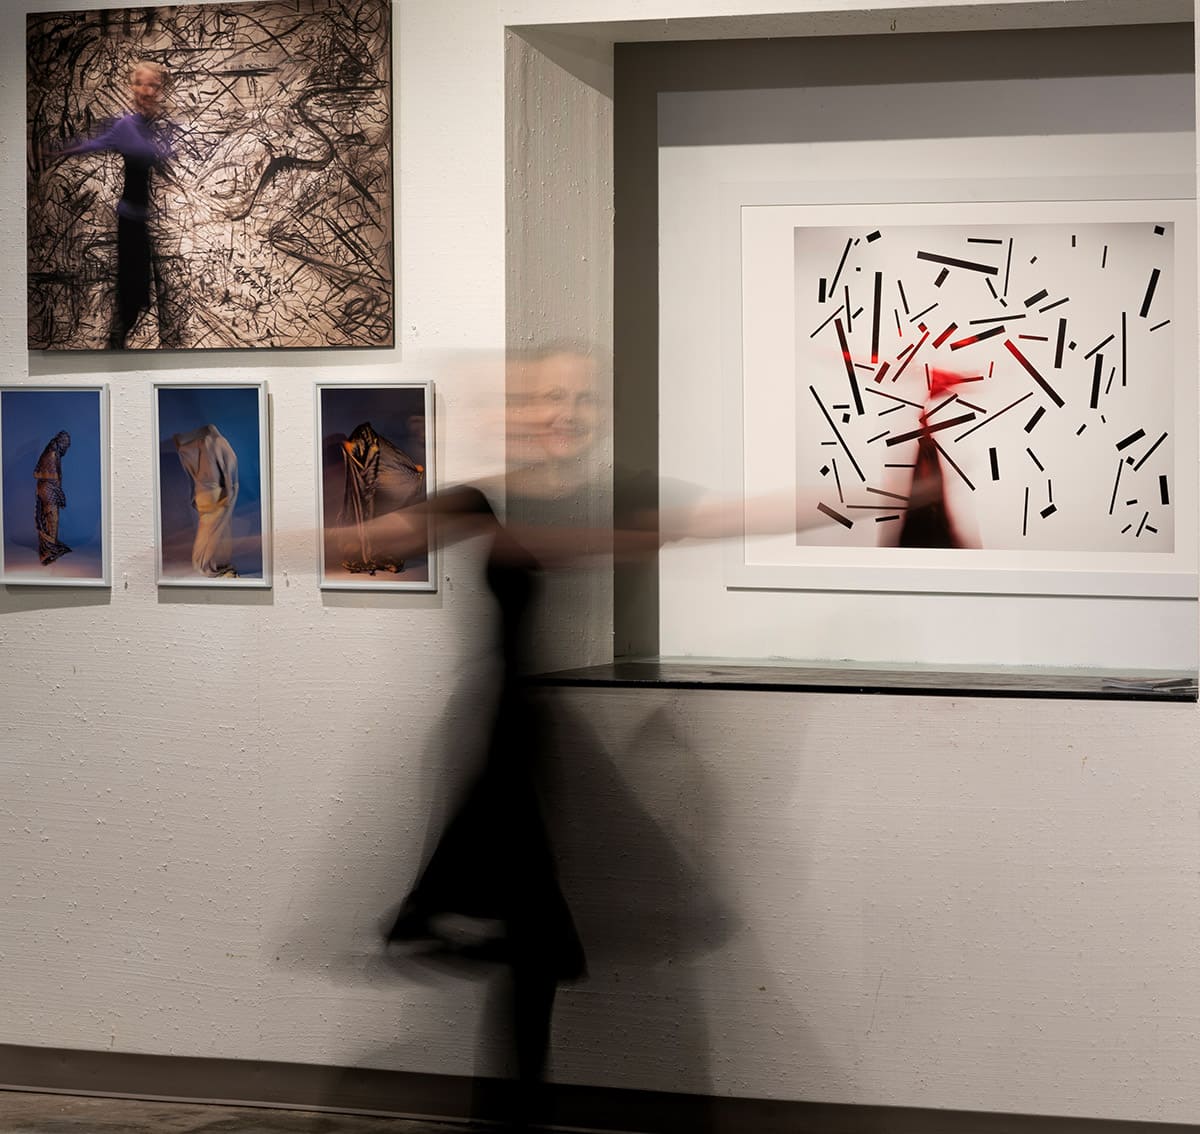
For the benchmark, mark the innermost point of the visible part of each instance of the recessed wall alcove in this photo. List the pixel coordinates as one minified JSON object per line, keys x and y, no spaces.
{"x":583,"y":123}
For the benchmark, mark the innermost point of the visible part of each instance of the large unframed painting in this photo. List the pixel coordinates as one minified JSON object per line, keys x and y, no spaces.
{"x":1020,"y":376}
{"x":271,"y":219}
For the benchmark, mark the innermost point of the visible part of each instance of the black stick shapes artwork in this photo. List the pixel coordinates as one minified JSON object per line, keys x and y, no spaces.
{"x":1092,"y":376}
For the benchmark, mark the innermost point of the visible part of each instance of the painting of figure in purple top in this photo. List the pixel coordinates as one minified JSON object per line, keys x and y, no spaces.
{"x":211,"y":177}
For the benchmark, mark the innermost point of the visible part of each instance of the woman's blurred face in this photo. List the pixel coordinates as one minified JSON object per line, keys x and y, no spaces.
{"x":552,"y":410}
{"x":146,"y":86}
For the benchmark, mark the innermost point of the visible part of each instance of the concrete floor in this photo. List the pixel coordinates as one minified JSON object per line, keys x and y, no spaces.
{"x":22,"y":1113}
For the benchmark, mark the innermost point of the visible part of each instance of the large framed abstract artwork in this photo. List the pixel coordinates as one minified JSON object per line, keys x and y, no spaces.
{"x":211,"y":176}
{"x":54,"y":485}
{"x":374,"y":462}
{"x":976,"y":397}
{"x":212,"y":481}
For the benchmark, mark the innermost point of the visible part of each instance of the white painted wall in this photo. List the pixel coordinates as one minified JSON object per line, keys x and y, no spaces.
{"x":206,"y":800}
{"x":927,"y":902}
{"x":559,"y":295}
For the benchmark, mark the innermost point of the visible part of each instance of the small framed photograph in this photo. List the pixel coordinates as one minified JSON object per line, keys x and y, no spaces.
{"x":212,"y":485}
{"x":54,"y":494}
{"x":375,"y":459}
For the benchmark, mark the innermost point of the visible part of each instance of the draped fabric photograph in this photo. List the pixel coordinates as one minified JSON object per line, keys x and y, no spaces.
{"x":375,"y":461}
{"x":213,"y":513}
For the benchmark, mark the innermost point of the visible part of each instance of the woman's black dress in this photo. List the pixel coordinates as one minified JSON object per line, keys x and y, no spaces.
{"x":494,"y":860}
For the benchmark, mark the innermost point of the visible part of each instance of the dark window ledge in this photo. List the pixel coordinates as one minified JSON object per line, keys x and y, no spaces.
{"x":860,"y":677}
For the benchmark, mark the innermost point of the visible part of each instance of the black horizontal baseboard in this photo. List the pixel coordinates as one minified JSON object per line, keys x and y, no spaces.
{"x":359,"y":1090}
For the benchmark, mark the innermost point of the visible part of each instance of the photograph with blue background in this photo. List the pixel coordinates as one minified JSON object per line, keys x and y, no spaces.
{"x":234,"y":411}
{"x":29,"y":421}
{"x":397,"y":413}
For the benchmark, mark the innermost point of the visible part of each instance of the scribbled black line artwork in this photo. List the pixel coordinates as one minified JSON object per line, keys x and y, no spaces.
{"x":267,"y":218}
{"x":1029,"y":394}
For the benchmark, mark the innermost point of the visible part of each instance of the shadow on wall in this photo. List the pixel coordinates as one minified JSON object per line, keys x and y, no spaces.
{"x":648,"y":908}
{"x":686,"y":891}
{"x":688,"y":983}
